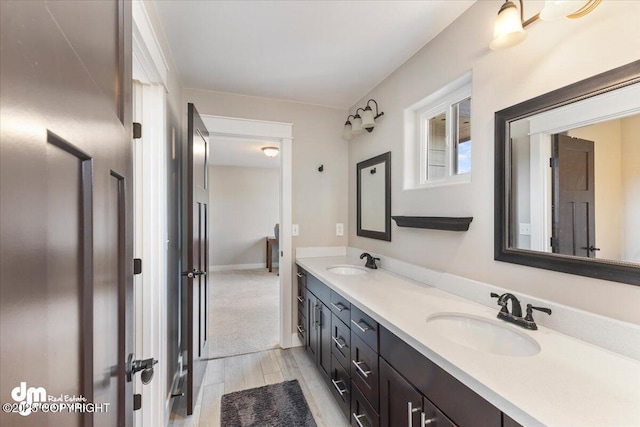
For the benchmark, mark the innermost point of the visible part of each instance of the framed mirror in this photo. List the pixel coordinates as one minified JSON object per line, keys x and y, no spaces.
{"x":567,"y":179}
{"x":374,"y":197}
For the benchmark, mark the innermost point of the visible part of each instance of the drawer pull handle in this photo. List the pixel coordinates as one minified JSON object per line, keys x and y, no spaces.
{"x":339,"y":307}
{"x":363,"y":329}
{"x":300,"y":330}
{"x":410,"y":411}
{"x":299,"y":275}
{"x":357,"y":418}
{"x":424,"y":421}
{"x":300,"y":299}
{"x":362,"y":371}
{"x":337,"y":341}
{"x":335,"y":384}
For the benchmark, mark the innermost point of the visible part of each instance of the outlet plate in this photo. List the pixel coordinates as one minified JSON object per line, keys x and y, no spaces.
{"x":525,"y":229}
{"x":295,"y":230}
{"x":339,"y":229}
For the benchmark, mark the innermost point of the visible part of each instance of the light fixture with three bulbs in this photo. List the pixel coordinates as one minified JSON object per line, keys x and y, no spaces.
{"x":361,"y":123}
{"x":509,"y":29}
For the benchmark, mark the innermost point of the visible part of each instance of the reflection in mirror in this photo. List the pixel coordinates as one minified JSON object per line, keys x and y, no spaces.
{"x":374,"y":197}
{"x":575,"y":178}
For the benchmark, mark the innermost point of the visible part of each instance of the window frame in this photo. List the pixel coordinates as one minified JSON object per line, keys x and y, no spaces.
{"x":443,"y":104}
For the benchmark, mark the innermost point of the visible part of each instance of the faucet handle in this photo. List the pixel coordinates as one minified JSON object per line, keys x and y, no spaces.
{"x":530,"y":309}
{"x":494,"y":295}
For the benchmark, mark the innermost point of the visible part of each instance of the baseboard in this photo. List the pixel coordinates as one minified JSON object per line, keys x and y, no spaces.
{"x":240,"y":266}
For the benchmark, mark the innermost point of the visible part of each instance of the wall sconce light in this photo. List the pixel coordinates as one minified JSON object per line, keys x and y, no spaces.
{"x":509,"y":29}
{"x":270,"y":151}
{"x":361,"y":123}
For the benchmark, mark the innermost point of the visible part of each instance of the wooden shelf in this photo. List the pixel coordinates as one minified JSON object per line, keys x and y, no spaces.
{"x":434,"y":222}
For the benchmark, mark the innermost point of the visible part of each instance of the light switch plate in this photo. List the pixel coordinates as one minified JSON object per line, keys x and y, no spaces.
{"x":339,"y":229}
{"x":295,"y":230}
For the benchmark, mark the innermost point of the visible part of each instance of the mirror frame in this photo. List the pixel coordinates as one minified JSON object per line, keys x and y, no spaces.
{"x":380,"y":235}
{"x":616,"y":271}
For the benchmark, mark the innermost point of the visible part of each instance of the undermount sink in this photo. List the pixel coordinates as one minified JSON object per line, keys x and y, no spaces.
{"x":484,"y":335}
{"x":347,"y":270}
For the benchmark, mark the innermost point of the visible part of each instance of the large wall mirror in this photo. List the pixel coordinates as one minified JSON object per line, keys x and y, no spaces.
{"x":568,"y":179}
{"x":374,"y":197}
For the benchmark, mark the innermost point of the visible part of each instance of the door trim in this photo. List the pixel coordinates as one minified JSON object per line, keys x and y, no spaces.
{"x":283,"y":133}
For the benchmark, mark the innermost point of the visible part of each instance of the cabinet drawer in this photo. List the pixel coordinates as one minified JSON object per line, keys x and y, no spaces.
{"x":302,"y":298}
{"x":365,"y":327}
{"x":341,"y":307}
{"x":302,"y":327}
{"x":364,"y":369}
{"x":341,"y":386}
{"x":362,"y":414}
{"x":319,"y":289}
{"x":457,"y":401}
{"x":340,"y":341}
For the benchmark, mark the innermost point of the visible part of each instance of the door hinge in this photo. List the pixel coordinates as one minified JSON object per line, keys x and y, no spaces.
{"x":137,"y":266}
{"x":137,"y":130}
{"x":137,"y":401}
{"x":553,"y":162}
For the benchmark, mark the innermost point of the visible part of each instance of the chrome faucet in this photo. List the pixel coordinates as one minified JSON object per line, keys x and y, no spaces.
{"x":515,"y":316}
{"x":371,"y":261}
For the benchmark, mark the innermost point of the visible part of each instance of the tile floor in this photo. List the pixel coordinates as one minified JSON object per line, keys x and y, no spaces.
{"x":245,"y":371}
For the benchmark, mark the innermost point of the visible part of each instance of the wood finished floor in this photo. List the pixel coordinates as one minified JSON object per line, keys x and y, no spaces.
{"x":246,"y":371}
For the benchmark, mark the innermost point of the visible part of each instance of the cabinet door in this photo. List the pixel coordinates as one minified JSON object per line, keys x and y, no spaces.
{"x":364,"y":369}
{"x":324,"y":340}
{"x":312,"y":326}
{"x":400,"y":402}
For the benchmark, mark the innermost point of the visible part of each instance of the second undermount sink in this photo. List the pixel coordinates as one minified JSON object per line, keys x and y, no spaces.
{"x":347,"y":270}
{"x":484,"y":335}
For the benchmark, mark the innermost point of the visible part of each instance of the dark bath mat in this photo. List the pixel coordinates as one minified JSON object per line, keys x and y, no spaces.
{"x":276,"y":405}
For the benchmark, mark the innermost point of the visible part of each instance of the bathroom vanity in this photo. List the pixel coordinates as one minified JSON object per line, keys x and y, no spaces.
{"x":386,"y":348}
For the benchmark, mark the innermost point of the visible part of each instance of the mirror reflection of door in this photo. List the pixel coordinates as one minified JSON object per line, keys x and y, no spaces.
{"x":573,"y":209}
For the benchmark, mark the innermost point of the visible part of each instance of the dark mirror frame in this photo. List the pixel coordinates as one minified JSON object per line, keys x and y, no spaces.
{"x":386,"y":235}
{"x":503,"y":251}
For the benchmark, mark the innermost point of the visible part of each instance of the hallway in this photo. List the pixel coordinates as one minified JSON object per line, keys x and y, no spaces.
{"x":243,"y":312}
{"x":246,"y":371}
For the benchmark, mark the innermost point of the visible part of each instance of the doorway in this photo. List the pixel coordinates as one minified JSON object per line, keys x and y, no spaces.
{"x":250,"y":307}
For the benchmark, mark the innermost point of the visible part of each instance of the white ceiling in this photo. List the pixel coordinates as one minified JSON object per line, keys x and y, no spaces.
{"x":319,"y":52}
{"x":232,"y":151}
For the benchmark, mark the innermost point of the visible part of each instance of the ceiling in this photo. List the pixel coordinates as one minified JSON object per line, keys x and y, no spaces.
{"x":244,"y":152}
{"x":319,"y":52}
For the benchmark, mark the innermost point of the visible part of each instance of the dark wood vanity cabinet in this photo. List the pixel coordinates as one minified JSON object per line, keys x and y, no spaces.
{"x":447,"y":399}
{"x":319,"y":334}
{"x":401,"y":404}
{"x":376,"y":378}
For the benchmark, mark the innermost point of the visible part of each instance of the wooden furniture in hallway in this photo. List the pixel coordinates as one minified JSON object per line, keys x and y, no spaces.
{"x":270,"y":242}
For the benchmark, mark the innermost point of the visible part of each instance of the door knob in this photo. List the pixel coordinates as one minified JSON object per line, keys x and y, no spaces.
{"x":146,"y":366}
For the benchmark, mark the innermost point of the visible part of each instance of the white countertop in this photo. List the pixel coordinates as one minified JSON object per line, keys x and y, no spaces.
{"x":569,"y":383}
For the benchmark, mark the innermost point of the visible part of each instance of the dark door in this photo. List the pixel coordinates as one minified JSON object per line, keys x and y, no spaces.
{"x":573,"y":197}
{"x":399,"y":400}
{"x":65,"y":201}
{"x":312,"y":326}
{"x":196,"y":199}
{"x":324,"y":340}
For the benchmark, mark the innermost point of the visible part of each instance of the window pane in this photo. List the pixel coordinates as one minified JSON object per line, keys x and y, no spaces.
{"x":462,"y":137}
{"x":436,"y":146}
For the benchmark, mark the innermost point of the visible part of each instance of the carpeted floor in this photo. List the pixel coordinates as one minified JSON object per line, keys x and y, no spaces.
{"x":243,"y":311}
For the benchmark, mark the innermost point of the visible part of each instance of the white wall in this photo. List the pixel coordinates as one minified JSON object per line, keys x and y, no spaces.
{"x":245,"y":206}
{"x":630,"y":131}
{"x":554,"y":55}
{"x":319,"y":198}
